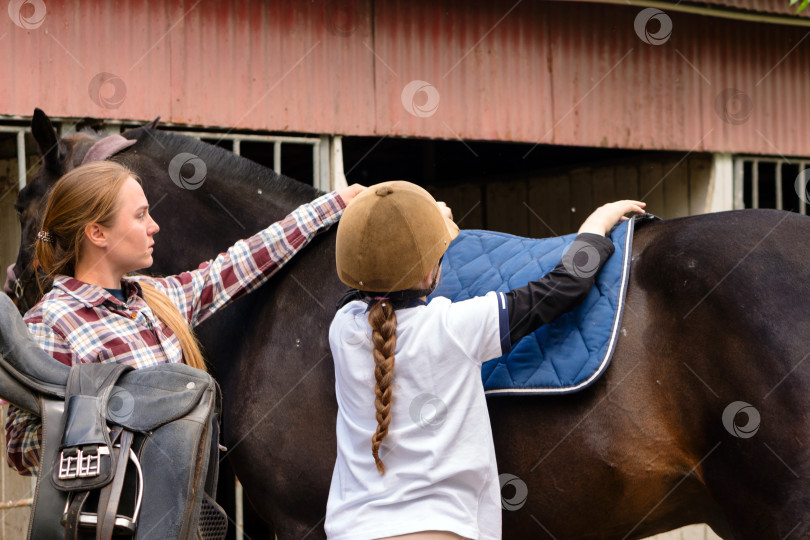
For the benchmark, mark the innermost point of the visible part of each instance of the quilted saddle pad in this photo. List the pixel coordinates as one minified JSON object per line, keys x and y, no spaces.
{"x":566,"y":355}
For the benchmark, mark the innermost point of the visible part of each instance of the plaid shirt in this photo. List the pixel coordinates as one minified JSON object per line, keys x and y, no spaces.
{"x":79,"y":323}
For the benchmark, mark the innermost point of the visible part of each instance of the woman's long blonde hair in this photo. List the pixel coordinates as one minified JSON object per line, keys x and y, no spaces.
{"x":89,"y":194}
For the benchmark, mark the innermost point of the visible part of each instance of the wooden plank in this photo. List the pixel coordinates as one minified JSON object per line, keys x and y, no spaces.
{"x":466,"y":202}
{"x":581,"y":196}
{"x":505,"y":208}
{"x":550,"y":206}
{"x":627,"y":178}
{"x":13,"y":487}
{"x":604,"y":185}
{"x":676,"y":188}
{"x":9,"y":223}
{"x":650,"y":186}
{"x":700,"y":173}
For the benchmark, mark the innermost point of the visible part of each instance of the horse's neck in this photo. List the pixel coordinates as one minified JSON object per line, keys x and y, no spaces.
{"x":259,"y":202}
{"x":258,"y":194}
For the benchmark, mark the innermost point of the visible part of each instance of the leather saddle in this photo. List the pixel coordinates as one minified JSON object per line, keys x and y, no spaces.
{"x":125,"y":453}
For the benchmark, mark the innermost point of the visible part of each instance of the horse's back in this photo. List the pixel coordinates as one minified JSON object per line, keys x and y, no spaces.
{"x":710,"y":249}
{"x":741,"y":273}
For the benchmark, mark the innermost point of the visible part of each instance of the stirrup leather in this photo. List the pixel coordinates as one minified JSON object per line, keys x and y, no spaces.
{"x":75,"y":516}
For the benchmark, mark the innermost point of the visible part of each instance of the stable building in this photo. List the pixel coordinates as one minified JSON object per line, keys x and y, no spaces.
{"x":523,"y":116}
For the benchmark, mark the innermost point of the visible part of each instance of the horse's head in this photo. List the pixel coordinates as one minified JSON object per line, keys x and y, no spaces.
{"x":58,"y":155}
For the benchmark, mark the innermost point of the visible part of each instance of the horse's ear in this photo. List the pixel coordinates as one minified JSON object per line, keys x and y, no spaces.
{"x":52,"y":148}
{"x":136,"y":133}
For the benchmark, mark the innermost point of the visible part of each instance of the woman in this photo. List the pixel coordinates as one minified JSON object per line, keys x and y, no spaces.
{"x":398,"y":473}
{"x":95,"y":231}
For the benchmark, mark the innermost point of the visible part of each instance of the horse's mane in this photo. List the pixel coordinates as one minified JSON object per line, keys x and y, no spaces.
{"x":225,"y":164}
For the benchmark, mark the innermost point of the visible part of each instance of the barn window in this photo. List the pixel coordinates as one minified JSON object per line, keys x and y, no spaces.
{"x":770,"y":182}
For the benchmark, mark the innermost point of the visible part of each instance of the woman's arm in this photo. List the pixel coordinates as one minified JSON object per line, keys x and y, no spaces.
{"x":23,"y":441}
{"x":249,"y":263}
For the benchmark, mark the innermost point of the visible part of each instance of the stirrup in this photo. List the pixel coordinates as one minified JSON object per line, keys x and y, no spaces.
{"x":123,"y":524}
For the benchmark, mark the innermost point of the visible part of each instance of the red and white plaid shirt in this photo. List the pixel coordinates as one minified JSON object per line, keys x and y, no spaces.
{"x":78,"y":322}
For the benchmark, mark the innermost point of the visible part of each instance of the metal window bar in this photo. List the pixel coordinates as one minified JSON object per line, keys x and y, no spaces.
{"x":22,"y":175}
{"x":276,"y":140}
{"x":767,"y":174}
{"x":237,"y":138}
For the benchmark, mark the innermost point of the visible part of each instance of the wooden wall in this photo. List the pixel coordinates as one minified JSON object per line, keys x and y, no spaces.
{"x":554,"y":203}
{"x":9,"y":224}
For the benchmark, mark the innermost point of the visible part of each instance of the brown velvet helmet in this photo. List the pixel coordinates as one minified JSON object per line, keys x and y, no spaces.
{"x":390,"y":237}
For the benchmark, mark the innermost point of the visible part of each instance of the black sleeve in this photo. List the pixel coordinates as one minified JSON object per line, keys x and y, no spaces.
{"x":559,"y":291}
{"x":349,"y":296}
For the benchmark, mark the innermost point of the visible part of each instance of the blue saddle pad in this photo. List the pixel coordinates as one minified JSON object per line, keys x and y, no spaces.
{"x":566,"y":355}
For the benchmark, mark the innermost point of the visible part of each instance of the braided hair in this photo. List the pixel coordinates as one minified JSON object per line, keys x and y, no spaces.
{"x":383,"y":321}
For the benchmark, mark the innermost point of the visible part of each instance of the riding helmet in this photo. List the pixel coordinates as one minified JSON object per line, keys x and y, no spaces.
{"x":390,"y":237}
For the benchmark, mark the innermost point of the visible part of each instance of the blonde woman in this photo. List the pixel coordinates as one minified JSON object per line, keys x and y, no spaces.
{"x":96,"y":230}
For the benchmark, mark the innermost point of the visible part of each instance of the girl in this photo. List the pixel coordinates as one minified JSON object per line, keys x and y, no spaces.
{"x":401,"y":472}
{"x":97,"y":229}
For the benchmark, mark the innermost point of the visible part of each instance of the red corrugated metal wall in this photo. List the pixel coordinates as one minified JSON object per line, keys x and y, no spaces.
{"x":550,"y":72}
{"x":777,"y":7}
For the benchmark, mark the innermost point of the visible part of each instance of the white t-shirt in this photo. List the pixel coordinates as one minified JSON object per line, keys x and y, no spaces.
{"x":439,"y":453}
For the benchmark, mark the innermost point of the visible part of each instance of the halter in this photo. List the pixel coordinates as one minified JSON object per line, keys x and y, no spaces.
{"x":15,"y":288}
{"x":107,"y":147}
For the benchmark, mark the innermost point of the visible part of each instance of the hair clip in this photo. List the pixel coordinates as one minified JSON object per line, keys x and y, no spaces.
{"x":45,"y":237}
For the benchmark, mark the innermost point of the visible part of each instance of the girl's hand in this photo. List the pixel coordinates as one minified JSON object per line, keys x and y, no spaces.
{"x":445,"y":210}
{"x":349,"y":193}
{"x":606,"y":216}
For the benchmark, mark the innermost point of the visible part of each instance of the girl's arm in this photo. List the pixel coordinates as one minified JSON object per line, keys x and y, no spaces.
{"x":559,"y":291}
{"x":562,"y":289}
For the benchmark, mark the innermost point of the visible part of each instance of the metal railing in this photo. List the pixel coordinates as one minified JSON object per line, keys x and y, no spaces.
{"x":771,"y":182}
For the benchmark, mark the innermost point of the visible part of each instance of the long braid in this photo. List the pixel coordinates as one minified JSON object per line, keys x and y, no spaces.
{"x":383,"y":321}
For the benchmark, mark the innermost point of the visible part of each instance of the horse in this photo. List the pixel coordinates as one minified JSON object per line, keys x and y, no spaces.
{"x":714,"y":331}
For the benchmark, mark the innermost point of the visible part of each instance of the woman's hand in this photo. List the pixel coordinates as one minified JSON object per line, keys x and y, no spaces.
{"x":349,"y":193}
{"x":606,"y":216}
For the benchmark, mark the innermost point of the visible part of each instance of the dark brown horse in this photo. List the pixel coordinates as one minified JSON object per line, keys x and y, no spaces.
{"x":702,"y":417}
